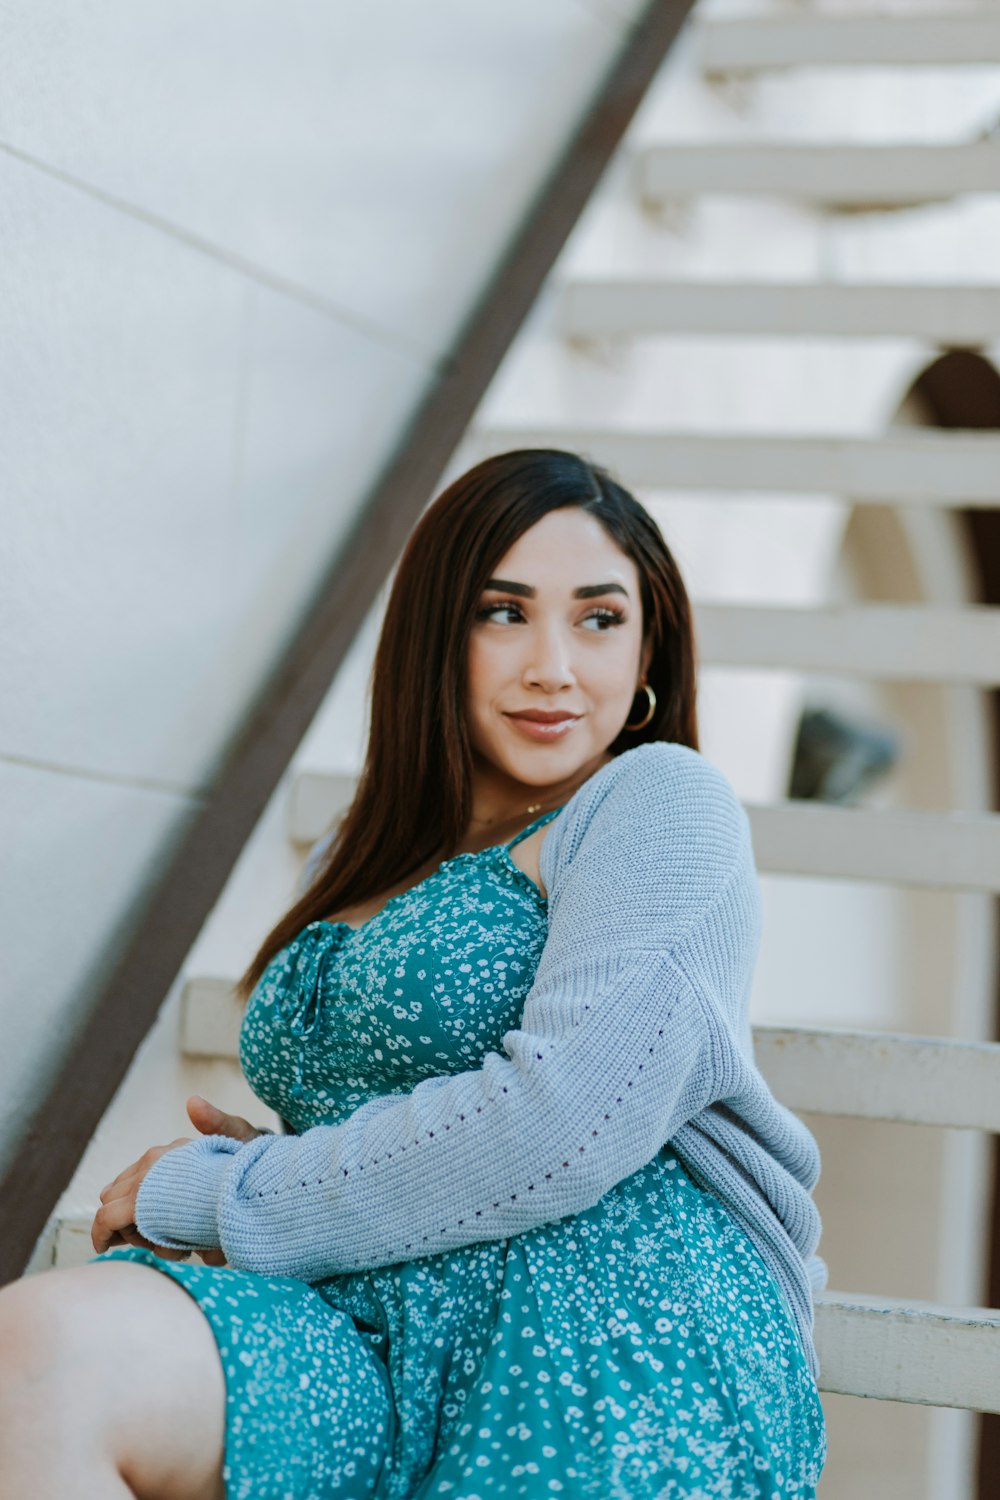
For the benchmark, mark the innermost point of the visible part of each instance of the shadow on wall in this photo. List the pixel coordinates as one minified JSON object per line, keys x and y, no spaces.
{"x":839,"y":759}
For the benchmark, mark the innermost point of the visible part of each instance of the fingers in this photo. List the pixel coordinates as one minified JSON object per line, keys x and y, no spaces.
{"x":114,"y":1220}
{"x":213,"y":1257}
{"x":138,"y":1169}
{"x":213,"y":1121}
{"x":114,"y":1223}
{"x":131,"y":1236}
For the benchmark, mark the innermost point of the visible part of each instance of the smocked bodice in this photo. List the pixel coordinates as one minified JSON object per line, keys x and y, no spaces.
{"x":428,"y":985}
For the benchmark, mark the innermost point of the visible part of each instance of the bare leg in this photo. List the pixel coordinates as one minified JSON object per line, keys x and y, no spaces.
{"x":110,"y":1386}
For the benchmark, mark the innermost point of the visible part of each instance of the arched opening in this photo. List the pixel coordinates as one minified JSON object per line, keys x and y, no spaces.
{"x":961,"y":389}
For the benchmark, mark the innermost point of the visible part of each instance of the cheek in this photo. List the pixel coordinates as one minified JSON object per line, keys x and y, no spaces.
{"x":482,"y":673}
{"x":617,"y":660}
{"x":474,"y":662}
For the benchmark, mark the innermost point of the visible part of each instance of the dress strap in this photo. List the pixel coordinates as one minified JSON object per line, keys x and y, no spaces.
{"x":536,"y":824}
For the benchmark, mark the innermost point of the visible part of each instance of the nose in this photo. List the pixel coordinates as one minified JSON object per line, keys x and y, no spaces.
{"x":549,"y":665}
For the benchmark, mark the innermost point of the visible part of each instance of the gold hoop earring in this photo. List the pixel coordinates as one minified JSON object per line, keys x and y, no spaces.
{"x":645,"y":687}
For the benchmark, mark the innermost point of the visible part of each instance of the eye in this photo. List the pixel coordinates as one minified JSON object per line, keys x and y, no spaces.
{"x":607,"y":617}
{"x":493,"y":609}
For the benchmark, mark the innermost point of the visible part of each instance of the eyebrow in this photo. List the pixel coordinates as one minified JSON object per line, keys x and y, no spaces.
{"x":527,"y":591}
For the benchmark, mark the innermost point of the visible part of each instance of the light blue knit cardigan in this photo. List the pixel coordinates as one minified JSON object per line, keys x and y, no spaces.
{"x":635,"y":1032}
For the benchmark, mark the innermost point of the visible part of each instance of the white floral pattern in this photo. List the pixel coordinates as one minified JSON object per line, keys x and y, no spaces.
{"x":640,"y":1350}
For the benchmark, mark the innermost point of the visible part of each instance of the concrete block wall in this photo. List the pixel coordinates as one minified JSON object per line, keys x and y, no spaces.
{"x":236,"y":242}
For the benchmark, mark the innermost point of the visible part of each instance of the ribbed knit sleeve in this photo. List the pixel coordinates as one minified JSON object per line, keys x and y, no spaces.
{"x":632,"y":1026}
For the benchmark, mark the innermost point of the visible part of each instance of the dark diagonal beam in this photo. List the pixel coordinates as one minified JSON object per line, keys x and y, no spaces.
{"x":163,"y":931}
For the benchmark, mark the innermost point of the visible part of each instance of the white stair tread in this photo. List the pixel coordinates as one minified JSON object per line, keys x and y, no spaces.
{"x":72,"y":1245}
{"x":882,"y":1075}
{"x":596,"y":307}
{"x":946,"y":851}
{"x":749,"y":44}
{"x":889,"y":642}
{"x":876,"y":1346}
{"x":316,"y":799}
{"x":868,"y":1075}
{"x":906,"y":1350}
{"x":832,"y":174}
{"x":939,"y":851}
{"x":911,"y":466}
{"x":210,"y":1017}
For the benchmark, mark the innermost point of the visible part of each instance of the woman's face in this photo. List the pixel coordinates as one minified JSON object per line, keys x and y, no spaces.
{"x":537,"y":645}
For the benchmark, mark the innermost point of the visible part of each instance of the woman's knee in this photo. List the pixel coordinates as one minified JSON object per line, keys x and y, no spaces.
{"x":118,"y":1354}
{"x":33,"y":1335}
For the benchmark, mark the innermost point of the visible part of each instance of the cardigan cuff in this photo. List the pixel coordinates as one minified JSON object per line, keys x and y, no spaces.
{"x":177,"y":1205}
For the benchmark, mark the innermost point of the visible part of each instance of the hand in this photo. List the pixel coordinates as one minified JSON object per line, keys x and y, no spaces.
{"x":114,"y":1223}
{"x":211,"y":1121}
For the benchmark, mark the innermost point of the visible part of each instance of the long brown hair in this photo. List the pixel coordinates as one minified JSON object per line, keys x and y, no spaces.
{"x":414,"y":795}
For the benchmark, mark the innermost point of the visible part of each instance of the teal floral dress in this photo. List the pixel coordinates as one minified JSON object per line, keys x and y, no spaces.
{"x":640,"y":1350}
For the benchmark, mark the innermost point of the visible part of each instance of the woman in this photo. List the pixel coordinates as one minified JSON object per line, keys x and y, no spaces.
{"x":537,"y":1227}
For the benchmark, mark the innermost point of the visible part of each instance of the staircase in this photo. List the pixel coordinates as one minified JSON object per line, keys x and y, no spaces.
{"x":733,"y":330}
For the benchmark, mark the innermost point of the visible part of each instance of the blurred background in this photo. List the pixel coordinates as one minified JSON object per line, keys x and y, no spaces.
{"x":270,"y":275}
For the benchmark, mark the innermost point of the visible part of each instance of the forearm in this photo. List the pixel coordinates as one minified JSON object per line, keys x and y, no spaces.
{"x":630,"y":1028}
{"x":527,"y":1139}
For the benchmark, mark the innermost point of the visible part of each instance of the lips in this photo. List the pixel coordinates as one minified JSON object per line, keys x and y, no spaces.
{"x":539,"y":716}
{"x":544,"y":726}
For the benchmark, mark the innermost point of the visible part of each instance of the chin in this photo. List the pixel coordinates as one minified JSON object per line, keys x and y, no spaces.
{"x":540,"y":765}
